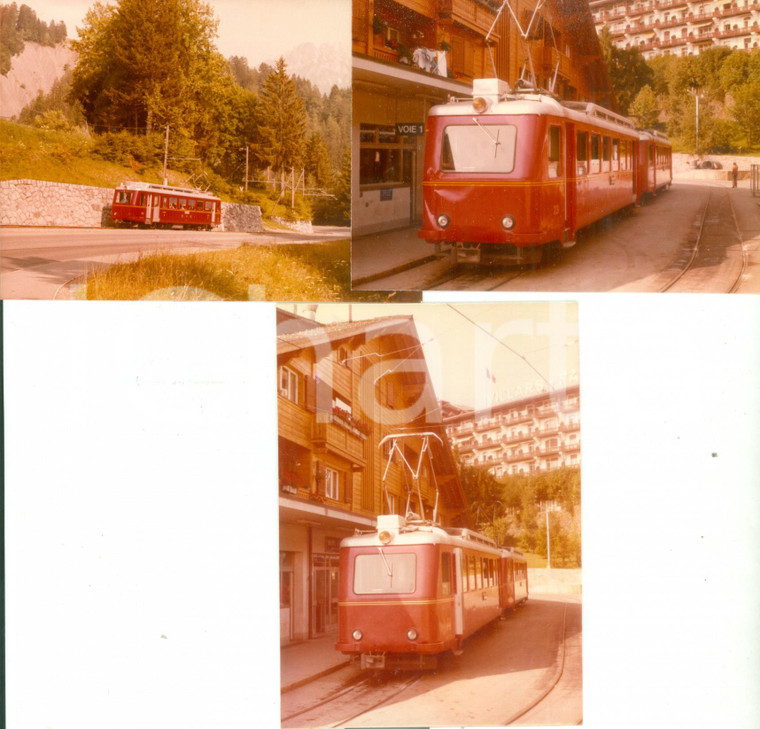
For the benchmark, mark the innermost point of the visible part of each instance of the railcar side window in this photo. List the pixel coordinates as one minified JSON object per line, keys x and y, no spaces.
{"x":581,"y":152}
{"x":615,"y":155}
{"x":595,"y":163}
{"x":555,"y":154}
{"x":479,"y":147}
{"x":606,"y":144}
{"x":465,"y":575}
{"x":446,"y":582}
{"x":385,"y":573}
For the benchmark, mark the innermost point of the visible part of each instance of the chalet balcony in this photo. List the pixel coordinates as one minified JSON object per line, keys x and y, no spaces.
{"x":342,"y":438}
{"x":477,"y":16}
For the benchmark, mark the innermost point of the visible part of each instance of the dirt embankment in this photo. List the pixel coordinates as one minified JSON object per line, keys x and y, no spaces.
{"x":35,"y":69}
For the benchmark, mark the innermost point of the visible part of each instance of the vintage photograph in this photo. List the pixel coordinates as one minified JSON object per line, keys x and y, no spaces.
{"x":430,"y":514}
{"x":555,"y":145}
{"x":175,"y":150}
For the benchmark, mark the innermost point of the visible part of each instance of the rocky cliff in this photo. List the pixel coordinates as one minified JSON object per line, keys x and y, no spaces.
{"x":35,"y":69}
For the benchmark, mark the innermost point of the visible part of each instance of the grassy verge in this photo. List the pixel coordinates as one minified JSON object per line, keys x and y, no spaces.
{"x":317,"y":272}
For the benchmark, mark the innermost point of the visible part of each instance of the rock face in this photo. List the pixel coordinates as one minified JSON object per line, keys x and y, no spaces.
{"x":41,"y":203}
{"x":35,"y":69}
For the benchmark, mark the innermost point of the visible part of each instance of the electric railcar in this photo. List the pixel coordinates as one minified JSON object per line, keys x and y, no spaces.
{"x":410,"y":591}
{"x":160,"y":206}
{"x":506,"y":173}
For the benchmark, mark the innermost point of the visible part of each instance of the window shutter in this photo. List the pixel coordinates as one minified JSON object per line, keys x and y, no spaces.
{"x":348,"y":487}
{"x":311,"y":394}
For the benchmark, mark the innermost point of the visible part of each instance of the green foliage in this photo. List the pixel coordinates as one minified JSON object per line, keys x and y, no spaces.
{"x":147,"y":65}
{"x":746,"y":110}
{"x":628,"y":70}
{"x":645,"y":108}
{"x":282,"y":122}
{"x":509,"y":510}
{"x":54,"y":100}
{"x":726,"y":82}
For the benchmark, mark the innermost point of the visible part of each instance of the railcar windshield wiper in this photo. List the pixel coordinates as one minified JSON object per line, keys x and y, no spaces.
{"x":388,"y":567}
{"x":495,"y":139}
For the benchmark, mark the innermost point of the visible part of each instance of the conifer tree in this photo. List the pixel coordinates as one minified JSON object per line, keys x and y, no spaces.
{"x":282,"y":122}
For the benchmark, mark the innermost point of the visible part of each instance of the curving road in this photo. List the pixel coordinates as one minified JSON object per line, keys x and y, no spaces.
{"x":527,"y":667}
{"x":38,"y":263}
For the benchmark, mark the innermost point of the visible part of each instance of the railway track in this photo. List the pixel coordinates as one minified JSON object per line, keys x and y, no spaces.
{"x":715,"y":259}
{"x":351,"y":701}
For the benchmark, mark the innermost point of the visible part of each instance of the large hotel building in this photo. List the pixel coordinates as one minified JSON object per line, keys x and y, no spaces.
{"x":679,"y":27}
{"x":530,"y":435}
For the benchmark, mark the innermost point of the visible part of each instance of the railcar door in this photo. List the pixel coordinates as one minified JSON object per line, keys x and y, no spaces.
{"x":156,"y":208}
{"x":570,"y":184}
{"x":458,"y":603}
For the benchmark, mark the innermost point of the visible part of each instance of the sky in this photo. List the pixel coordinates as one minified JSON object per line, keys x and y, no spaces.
{"x":259,"y":30}
{"x":480,"y":355}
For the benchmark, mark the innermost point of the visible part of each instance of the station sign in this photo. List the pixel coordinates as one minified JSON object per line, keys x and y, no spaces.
{"x":409,"y":129}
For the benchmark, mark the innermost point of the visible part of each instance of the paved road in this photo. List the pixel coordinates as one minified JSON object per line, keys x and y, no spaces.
{"x":38,"y":263}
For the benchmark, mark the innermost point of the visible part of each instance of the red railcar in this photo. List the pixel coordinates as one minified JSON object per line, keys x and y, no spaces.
{"x":507,"y":173}
{"x":159,"y":206}
{"x":410,"y":591}
{"x":654,"y":166}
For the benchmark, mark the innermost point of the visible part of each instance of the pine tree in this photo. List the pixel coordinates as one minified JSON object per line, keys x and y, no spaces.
{"x":282,"y":122}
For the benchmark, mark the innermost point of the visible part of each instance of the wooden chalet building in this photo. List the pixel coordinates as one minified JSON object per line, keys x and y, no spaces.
{"x":342,"y":388}
{"x":411,"y":54}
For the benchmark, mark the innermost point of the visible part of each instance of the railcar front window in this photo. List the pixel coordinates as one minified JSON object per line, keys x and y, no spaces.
{"x":385,"y":573}
{"x":479,"y":147}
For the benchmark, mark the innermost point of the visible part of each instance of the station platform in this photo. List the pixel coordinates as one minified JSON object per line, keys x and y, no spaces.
{"x":379,"y":255}
{"x":308,"y":660}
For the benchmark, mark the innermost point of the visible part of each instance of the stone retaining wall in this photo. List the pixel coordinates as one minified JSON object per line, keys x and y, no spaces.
{"x":684,"y":162}
{"x":42,"y":203}
{"x":555,"y":581}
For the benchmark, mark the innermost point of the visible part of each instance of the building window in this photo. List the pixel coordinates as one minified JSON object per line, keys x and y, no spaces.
{"x":332,"y":483}
{"x":384,"y":157}
{"x":289,"y":384}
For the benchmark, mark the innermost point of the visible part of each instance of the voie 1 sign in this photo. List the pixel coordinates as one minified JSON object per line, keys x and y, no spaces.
{"x":409,"y":129}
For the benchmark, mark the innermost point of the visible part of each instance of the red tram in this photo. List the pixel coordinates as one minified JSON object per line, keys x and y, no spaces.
{"x":506,"y":173}
{"x":412,"y":590}
{"x":147,"y":205}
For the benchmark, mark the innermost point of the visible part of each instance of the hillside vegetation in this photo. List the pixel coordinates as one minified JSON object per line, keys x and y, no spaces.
{"x":512,"y":511}
{"x":661,"y":93}
{"x":149,"y":83}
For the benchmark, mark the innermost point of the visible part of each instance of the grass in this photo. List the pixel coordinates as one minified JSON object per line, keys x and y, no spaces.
{"x":317,"y":272}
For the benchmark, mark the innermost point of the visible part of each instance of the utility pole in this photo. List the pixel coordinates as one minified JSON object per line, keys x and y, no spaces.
{"x":246,"y":165}
{"x":166,"y":153}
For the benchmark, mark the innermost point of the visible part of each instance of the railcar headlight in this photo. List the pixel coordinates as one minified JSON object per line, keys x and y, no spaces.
{"x":479,"y":104}
{"x":507,"y":222}
{"x":443,"y":220}
{"x":385,"y":537}
{"x":411,"y":634}
{"x":357,"y":635}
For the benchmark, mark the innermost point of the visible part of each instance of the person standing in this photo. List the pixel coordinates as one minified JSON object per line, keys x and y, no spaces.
{"x":734,"y":174}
